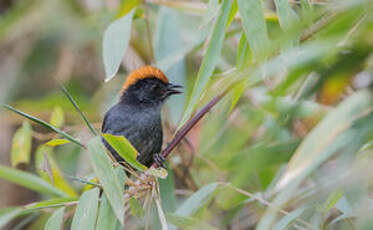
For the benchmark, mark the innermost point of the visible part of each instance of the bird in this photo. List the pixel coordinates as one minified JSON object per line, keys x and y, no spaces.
{"x":137,"y":115}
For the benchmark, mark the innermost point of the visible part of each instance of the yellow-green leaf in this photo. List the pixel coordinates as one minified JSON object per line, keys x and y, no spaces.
{"x":125,"y":149}
{"x":126,"y":6}
{"x":49,"y":170}
{"x":21,"y":146}
{"x":57,"y":142}
{"x":57,"y":117}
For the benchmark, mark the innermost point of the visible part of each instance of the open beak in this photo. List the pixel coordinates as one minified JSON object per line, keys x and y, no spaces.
{"x":172,"y":89}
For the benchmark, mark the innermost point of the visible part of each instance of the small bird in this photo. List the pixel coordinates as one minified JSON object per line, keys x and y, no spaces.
{"x":137,"y":115}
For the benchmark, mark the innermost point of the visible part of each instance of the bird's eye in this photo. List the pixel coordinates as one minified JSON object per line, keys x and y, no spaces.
{"x":155,"y":87}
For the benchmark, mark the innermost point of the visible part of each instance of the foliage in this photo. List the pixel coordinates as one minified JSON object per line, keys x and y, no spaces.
{"x":287,"y":146}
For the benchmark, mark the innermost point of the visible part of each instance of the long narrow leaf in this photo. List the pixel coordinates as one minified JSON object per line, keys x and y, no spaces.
{"x":43,"y":123}
{"x":115,"y":43}
{"x":313,"y":149}
{"x":188,"y":222}
{"x":107,"y":176}
{"x":76,"y":106}
{"x":197,"y":200}
{"x":55,"y":221}
{"x":86,"y":211}
{"x":5,"y":218}
{"x":254,"y":26}
{"x":210,"y":59}
{"x":29,"y":181}
{"x":343,"y":130}
{"x":52,"y":203}
{"x":106,"y":219}
{"x":21,"y":146}
{"x":125,"y":149}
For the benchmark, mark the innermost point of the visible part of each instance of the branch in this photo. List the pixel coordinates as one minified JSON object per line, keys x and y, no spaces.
{"x":190,"y":124}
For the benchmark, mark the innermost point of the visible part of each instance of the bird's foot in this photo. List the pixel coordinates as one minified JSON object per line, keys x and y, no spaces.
{"x":159,"y":160}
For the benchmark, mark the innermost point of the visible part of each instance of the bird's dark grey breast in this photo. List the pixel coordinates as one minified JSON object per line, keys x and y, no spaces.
{"x":141,"y":126}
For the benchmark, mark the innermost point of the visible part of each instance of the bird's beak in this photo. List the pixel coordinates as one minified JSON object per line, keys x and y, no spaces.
{"x":172,"y":89}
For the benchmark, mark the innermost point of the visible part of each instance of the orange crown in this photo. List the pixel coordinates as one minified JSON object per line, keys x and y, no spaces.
{"x":143,"y":73}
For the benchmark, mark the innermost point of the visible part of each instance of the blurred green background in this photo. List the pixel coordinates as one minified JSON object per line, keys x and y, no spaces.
{"x":289,"y":146}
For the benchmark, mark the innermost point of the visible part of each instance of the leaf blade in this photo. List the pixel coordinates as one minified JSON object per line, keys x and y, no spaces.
{"x":115,"y":43}
{"x":197,"y":200}
{"x":21,"y":145}
{"x":254,"y":26}
{"x":55,"y":221}
{"x":77,"y":108}
{"x":85,"y":213}
{"x":106,"y":219}
{"x":29,"y":181}
{"x":105,"y":171}
{"x":209,"y":61}
{"x":43,"y":123}
{"x":125,"y":149}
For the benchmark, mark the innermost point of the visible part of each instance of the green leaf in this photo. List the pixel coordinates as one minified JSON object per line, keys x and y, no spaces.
{"x":9,"y":216}
{"x":57,"y":142}
{"x":127,"y":5}
{"x":188,"y":222}
{"x":210,"y":59}
{"x":56,"y":202}
{"x":57,"y":119}
{"x":48,"y":169}
{"x":243,"y":53}
{"x":315,"y":147}
{"x":29,"y":181}
{"x":342,"y":131}
{"x":232,"y":13}
{"x":198,"y":200}
{"x":136,"y":208}
{"x":254,"y":26}
{"x":169,"y":25}
{"x":333,"y":198}
{"x":288,"y":219}
{"x":288,"y":19}
{"x":106,"y":217}
{"x":115,"y":43}
{"x":237,"y":92}
{"x":55,"y":221}
{"x":125,"y":149}
{"x":86,"y":211}
{"x":286,"y":14}
{"x":167,"y":192}
{"x":77,"y":108}
{"x":43,"y":123}
{"x":212,"y":8}
{"x":106,"y":174}
{"x":21,"y":146}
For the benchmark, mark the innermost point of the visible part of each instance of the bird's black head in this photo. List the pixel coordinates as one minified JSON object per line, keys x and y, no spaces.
{"x":148,"y":86}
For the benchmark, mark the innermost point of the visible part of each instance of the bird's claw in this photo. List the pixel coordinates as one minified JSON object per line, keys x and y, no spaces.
{"x":159,"y":160}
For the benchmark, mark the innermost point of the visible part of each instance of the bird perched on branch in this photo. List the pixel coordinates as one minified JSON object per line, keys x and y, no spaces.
{"x":137,"y":115}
